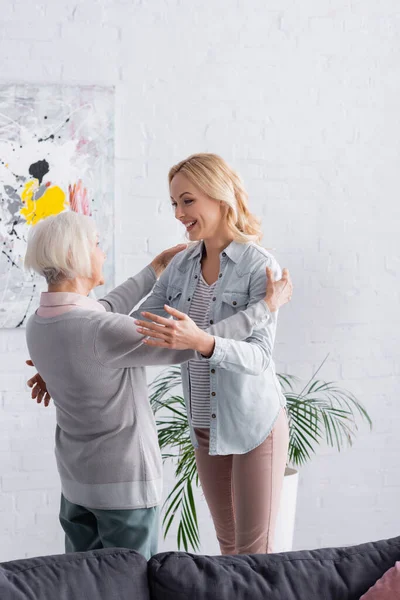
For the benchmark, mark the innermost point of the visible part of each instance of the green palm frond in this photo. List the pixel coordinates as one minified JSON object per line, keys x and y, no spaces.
{"x":163,"y":385}
{"x":287,"y":380}
{"x":321,"y":411}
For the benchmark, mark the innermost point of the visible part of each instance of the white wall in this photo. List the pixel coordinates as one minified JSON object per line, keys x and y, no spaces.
{"x":303,"y":99}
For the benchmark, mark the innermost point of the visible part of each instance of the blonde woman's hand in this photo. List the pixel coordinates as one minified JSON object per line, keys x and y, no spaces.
{"x":279,"y":291}
{"x":39,"y":389}
{"x":162,"y":260}
{"x":180,"y":333}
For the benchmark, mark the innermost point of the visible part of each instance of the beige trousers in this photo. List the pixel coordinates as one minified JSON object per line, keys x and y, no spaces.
{"x":243,"y":490}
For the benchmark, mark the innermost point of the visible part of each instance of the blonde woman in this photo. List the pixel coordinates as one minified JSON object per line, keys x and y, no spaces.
{"x":227,"y":314}
{"x":234,"y":402}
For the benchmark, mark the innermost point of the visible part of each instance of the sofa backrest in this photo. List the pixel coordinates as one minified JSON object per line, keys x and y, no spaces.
{"x":114,"y":574}
{"x":326,"y":574}
{"x":118,"y":574}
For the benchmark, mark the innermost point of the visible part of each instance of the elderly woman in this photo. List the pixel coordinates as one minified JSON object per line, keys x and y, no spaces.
{"x":91,"y":357}
{"x":92,"y":360}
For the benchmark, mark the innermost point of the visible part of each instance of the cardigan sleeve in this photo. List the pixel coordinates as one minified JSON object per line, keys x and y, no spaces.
{"x":117,"y":345}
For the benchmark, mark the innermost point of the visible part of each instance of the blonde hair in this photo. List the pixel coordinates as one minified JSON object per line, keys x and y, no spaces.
{"x":60,"y":247}
{"x":213,"y":176}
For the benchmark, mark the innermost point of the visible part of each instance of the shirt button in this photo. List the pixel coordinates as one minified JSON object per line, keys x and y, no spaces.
{"x":188,"y":299}
{"x":195,"y":276}
{"x":169,"y":297}
{"x":234,"y":303}
{"x":224,"y":254}
{"x":214,"y":299}
{"x":213,"y":416}
{"x":211,"y":322}
{"x":213,"y":394}
{"x":220,"y":275}
{"x":213,"y":371}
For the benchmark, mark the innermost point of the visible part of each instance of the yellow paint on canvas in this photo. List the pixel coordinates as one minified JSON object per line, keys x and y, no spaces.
{"x":51,"y":202}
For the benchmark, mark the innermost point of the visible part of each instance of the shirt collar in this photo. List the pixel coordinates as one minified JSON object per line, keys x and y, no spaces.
{"x":234,"y":251}
{"x":70,"y":299}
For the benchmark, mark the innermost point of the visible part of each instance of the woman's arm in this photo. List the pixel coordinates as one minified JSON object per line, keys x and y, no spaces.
{"x":157,"y":299}
{"x":250,"y":356}
{"x":267,"y":293}
{"x":126,"y":296}
{"x":266,"y":289}
{"x":117,"y":344}
{"x":254,"y":354}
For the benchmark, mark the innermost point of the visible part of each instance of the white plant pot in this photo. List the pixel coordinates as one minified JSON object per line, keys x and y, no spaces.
{"x":287,"y":512}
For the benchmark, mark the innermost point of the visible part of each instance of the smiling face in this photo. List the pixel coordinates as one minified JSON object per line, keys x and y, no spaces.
{"x":202,"y":216}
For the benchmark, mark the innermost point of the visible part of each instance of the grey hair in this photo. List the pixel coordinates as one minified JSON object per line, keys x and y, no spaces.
{"x":60,"y":247}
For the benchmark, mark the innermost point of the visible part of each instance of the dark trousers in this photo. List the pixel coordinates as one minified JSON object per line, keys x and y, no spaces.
{"x":91,"y":529}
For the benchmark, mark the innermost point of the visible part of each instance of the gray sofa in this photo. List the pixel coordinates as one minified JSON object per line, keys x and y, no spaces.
{"x":118,"y":574}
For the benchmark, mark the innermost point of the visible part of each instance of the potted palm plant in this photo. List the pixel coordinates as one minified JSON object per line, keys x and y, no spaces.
{"x":320,"y":411}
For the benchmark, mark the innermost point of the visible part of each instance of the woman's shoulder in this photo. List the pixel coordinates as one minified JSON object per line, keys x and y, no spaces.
{"x":259,"y":257}
{"x":109,"y":325}
{"x":181,"y":259}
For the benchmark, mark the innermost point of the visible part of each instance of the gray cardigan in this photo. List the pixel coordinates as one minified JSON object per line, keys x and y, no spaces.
{"x":93,"y":363}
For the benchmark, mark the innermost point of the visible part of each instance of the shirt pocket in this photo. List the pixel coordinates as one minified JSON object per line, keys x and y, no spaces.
{"x":174,"y":295}
{"x":232,"y":302}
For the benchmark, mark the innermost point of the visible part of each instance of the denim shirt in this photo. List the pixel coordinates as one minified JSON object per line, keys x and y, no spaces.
{"x":246,"y":396}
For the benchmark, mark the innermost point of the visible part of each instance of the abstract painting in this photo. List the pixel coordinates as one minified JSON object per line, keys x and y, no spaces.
{"x":56,"y":154}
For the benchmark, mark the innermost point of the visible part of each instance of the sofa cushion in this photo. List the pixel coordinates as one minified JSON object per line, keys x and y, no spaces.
{"x":328,"y":574}
{"x":111,"y":574}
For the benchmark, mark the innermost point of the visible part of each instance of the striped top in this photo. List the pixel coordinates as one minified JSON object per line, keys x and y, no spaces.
{"x":199,"y":371}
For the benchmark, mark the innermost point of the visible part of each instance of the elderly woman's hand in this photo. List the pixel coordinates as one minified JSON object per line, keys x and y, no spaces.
{"x":180,"y":333}
{"x":278,"y":292}
{"x":162,"y":260}
{"x":39,"y":389}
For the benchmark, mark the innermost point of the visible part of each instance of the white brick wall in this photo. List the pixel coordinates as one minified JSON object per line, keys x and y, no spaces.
{"x":303,"y":100}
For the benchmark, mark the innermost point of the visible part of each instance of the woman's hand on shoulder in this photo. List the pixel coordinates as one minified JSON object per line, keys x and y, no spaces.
{"x":164,"y":258}
{"x":279,"y":291}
